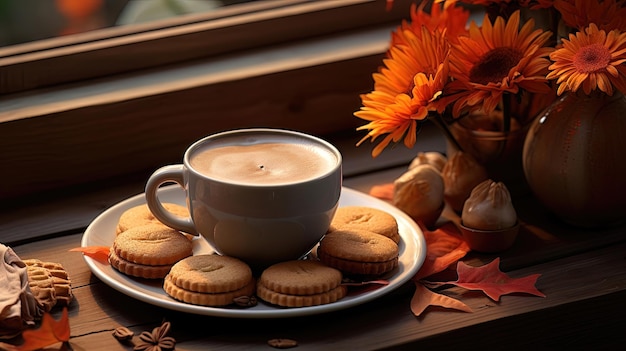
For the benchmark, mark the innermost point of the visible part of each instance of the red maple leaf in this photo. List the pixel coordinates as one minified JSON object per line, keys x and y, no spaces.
{"x":444,"y":247}
{"x":50,"y":332}
{"x":493,"y":282}
{"x":98,"y":253}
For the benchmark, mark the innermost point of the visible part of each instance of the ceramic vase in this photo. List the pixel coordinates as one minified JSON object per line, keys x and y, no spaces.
{"x":574,"y":158}
{"x":499,"y":152}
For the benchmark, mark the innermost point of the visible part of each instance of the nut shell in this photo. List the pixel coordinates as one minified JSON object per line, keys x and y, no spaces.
{"x":419,"y":192}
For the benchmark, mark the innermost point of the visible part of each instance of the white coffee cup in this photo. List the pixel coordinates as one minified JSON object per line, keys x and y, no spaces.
{"x":261,"y":195}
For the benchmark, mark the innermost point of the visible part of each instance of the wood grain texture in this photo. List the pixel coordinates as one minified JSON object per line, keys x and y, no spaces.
{"x":108,"y":140}
{"x":583,"y":274}
{"x":584,"y":298}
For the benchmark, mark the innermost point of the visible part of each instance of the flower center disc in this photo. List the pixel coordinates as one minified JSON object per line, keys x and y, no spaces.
{"x":494,"y":65}
{"x":592,"y":58}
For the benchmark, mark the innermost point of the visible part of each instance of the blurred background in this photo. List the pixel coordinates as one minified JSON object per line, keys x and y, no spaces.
{"x":23,"y":21}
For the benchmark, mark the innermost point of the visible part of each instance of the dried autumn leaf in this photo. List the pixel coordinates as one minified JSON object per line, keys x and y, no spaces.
{"x":50,"y":332}
{"x":98,"y":253}
{"x":444,"y":247}
{"x":493,"y":282}
{"x":383,"y":191}
{"x":424,"y":297}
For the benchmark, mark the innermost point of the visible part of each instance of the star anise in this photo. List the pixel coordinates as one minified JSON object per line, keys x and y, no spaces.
{"x":157,"y":340}
{"x":245,"y":301}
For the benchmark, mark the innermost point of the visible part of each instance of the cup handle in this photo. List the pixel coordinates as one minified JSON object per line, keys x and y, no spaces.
{"x":172,"y":173}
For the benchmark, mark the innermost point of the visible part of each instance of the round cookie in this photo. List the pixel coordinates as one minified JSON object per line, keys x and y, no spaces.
{"x":141,"y":215}
{"x":300,"y":283}
{"x":366,"y":218}
{"x":138,"y":270}
{"x":361,"y":252}
{"x":149,"y":251}
{"x":211,"y":273}
{"x":206,"y":299}
{"x":209,"y":280}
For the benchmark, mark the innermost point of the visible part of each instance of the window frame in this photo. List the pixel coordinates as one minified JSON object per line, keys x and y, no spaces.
{"x":236,"y":28}
{"x":308,"y":79}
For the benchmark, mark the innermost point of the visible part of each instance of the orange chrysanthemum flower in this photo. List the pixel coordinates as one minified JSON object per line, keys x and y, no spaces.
{"x":413,"y":76}
{"x":592,"y":59}
{"x":497,"y":59}
{"x":606,"y":14}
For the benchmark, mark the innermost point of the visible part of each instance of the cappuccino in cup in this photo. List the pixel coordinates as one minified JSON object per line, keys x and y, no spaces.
{"x":261,"y":195}
{"x":265,"y":163}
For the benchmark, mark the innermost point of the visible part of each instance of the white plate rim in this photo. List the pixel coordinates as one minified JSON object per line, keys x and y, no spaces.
{"x":102,"y":230}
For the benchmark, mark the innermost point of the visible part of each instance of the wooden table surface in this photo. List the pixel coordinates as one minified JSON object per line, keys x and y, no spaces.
{"x":583,"y":274}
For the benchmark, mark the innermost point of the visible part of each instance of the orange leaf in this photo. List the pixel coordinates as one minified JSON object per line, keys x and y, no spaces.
{"x":50,"y":332}
{"x":357,"y":288}
{"x":383,"y":191}
{"x":444,"y":247}
{"x":7,"y":347}
{"x":424,"y":297}
{"x":493,"y":282}
{"x":98,"y":253}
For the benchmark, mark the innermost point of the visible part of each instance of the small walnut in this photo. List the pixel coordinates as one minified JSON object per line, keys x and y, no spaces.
{"x":461,"y":174}
{"x":489,"y":207}
{"x":432,"y":158}
{"x":282,"y":343}
{"x":419,"y":193}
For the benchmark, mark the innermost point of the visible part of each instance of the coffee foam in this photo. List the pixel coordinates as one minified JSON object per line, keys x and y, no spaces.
{"x":264,"y":162}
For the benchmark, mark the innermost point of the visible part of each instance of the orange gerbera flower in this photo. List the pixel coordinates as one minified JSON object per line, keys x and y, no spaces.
{"x":400,"y":118}
{"x":487,"y":2}
{"x":413,"y":76}
{"x":537,"y":4}
{"x":606,"y":14}
{"x":592,"y":59}
{"x":421,"y":53}
{"x":448,"y":18}
{"x":497,"y":59}
{"x":394,"y":119}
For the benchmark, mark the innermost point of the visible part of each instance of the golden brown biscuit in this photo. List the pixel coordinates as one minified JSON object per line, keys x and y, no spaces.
{"x":211,"y":274}
{"x":300,"y":283}
{"x":366,"y":218}
{"x":42,"y":287}
{"x":149,"y":251}
{"x":209,"y":280}
{"x":60,"y":279}
{"x":152,"y":245}
{"x":361,"y":252}
{"x":138,"y":270}
{"x":206,"y":299}
{"x":141,"y":215}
